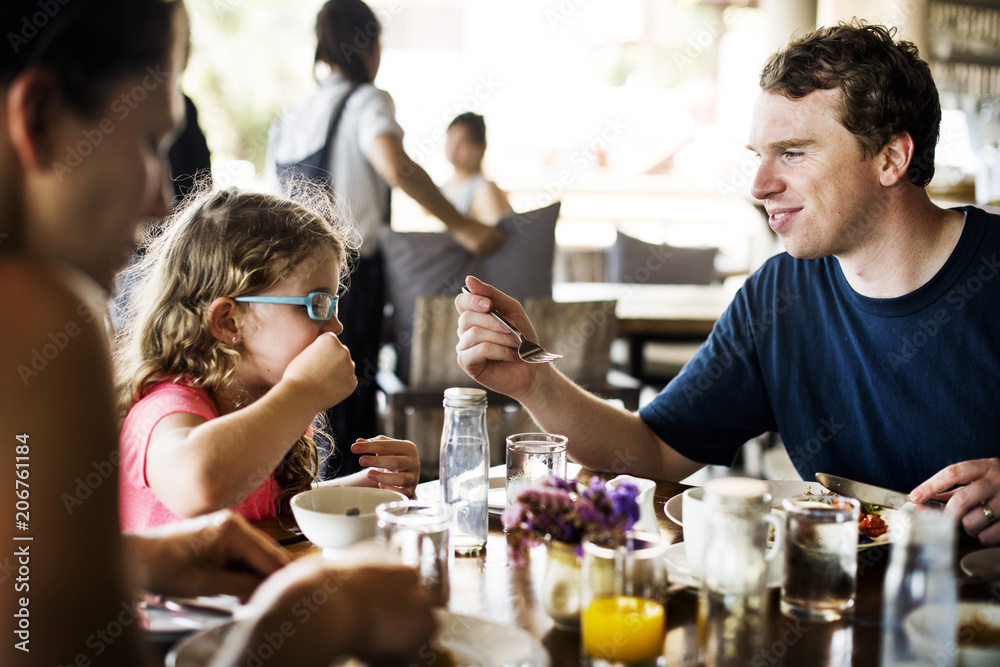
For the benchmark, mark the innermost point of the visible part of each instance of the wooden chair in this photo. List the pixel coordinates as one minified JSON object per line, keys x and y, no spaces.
{"x":581,"y":331}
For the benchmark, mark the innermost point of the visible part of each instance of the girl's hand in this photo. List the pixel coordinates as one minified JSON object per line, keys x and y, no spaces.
{"x":325,"y":371}
{"x":393,"y":464}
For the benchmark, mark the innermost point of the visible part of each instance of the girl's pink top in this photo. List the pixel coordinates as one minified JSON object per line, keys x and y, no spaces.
{"x":139,"y":507}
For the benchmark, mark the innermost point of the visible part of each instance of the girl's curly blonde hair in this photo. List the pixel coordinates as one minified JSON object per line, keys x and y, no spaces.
{"x":228,"y":243}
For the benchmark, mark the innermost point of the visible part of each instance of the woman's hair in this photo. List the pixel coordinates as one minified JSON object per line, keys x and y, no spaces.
{"x":344,"y":30}
{"x":228,"y":243}
{"x":886,"y":88}
{"x":474,"y":125}
{"x":88,"y":44}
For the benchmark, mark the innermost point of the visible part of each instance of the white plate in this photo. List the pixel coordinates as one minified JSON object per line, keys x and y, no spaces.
{"x":471,"y":640}
{"x":680,"y":573}
{"x":781,"y":489}
{"x":167,"y":625}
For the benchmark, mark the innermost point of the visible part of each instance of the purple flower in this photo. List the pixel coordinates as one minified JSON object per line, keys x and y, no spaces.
{"x":565,"y":511}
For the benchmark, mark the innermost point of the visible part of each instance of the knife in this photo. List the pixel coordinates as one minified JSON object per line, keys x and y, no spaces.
{"x":869,"y":493}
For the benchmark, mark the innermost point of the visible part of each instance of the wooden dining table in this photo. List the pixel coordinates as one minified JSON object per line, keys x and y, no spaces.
{"x":492,"y":588}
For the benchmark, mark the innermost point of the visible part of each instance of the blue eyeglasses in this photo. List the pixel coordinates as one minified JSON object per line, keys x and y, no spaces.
{"x":321,"y":306}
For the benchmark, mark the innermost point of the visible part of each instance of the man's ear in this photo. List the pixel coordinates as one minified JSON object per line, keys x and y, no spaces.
{"x":896,"y":158}
{"x":222,"y":321}
{"x":34,"y":101}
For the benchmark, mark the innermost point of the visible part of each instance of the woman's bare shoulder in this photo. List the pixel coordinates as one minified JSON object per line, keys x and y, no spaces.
{"x":44,"y":309}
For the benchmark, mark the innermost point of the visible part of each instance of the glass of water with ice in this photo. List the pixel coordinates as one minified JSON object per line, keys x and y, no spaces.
{"x":532,"y":457}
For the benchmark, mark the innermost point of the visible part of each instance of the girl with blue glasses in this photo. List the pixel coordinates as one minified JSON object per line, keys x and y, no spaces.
{"x":230,"y":353}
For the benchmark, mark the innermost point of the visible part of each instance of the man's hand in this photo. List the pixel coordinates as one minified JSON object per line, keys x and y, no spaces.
{"x":972,"y":490}
{"x":486,"y":350}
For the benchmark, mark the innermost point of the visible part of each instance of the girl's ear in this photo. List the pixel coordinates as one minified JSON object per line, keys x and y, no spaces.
{"x":222,"y":321}
{"x":33,"y":107}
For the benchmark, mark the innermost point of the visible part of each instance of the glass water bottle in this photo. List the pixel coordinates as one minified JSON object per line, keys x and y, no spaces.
{"x":920,"y":606}
{"x":464,"y":468}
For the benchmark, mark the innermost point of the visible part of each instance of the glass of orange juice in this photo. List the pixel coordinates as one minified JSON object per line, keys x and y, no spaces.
{"x":622,"y":615}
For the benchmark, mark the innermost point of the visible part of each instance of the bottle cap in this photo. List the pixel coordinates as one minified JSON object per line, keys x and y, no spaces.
{"x":464,"y":397}
{"x":738,"y":493}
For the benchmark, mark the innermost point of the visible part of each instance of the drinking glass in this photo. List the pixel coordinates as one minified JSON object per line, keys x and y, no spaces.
{"x":417,"y":532}
{"x":821,"y":557}
{"x":532,"y":457}
{"x":622,"y":602}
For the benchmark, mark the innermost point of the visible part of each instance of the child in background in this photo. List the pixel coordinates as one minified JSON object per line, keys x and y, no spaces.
{"x":228,"y":357}
{"x":469,"y":191}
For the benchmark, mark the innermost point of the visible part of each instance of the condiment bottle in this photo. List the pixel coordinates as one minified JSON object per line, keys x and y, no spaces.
{"x":733,"y":599}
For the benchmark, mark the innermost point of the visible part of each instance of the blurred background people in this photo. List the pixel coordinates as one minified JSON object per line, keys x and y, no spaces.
{"x":468,"y":189}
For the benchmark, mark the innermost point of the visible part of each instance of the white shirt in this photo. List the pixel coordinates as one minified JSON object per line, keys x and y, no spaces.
{"x":301,"y":131}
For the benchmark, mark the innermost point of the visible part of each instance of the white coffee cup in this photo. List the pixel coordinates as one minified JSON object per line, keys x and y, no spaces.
{"x":695,"y":528}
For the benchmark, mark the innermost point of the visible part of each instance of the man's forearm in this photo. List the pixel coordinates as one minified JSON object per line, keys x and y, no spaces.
{"x":601,"y":436}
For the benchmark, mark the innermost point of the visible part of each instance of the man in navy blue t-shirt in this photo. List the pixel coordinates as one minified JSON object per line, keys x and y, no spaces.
{"x":870,"y":346}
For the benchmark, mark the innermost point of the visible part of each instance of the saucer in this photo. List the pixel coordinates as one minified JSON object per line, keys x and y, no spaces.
{"x":984,"y":563}
{"x":680,"y":573}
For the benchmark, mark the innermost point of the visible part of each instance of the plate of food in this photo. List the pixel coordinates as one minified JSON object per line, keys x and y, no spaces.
{"x":461,"y":641}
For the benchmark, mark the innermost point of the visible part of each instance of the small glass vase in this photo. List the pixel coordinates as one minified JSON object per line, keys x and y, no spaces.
{"x":561,"y":586}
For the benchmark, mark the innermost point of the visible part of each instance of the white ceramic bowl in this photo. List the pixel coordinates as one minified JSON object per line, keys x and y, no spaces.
{"x":322,"y":513}
{"x":971,"y":616}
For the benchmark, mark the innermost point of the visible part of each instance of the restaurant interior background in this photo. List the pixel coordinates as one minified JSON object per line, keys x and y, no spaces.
{"x":633,"y":113}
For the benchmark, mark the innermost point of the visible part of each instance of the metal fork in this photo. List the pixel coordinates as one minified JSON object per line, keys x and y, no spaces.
{"x":528,"y":350}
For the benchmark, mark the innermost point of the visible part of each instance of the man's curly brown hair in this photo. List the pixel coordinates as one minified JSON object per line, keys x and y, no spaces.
{"x":886,"y":89}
